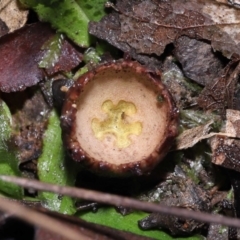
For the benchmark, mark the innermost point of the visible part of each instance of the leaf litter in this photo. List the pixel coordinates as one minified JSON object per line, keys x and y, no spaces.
{"x":199,"y":39}
{"x":149,"y":26}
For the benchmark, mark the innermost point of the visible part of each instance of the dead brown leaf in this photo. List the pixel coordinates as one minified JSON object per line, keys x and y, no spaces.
{"x":109,"y":29}
{"x":233,"y":123}
{"x":192,"y":136}
{"x":198,"y":60}
{"x":226,"y":152}
{"x":21,"y":52}
{"x":148,"y":26}
{"x":219,"y":94}
{"x":226,"y":149}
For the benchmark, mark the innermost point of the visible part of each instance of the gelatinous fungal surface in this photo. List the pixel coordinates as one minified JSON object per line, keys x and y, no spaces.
{"x":119,"y":118}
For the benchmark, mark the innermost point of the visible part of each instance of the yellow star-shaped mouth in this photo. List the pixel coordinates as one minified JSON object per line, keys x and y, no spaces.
{"x":116,"y":123}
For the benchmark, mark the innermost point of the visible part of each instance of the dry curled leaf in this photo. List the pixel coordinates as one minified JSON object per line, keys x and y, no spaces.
{"x":148,"y":26}
{"x":192,"y":136}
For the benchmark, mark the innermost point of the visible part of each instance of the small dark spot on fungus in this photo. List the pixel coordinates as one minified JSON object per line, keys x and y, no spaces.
{"x":160,"y":98}
{"x":113,"y":127}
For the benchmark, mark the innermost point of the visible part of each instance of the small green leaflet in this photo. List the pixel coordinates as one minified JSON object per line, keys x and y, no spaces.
{"x":53,"y":168}
{"x":69,"y":17}
{"x":8,"y":158}
{"x":109,"y":217}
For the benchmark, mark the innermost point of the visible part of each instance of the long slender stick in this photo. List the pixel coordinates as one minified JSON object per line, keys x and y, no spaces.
{"x":40,"y":219}
{"x":123,"y":201}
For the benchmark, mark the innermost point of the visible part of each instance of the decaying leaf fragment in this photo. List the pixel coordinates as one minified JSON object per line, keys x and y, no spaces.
{"x":219,"y":94}
{"x":192,"y":136}
{"x":29,"y":121}
{"x":198,"y":60}
{"x":184,"y":92}
{"x":109,"y":29}
{"x":226,"y":150}
{"x":149,"y":26}
{"x":21,"y":51}
{"x":13,"y":14}
{"x":181,"y":191}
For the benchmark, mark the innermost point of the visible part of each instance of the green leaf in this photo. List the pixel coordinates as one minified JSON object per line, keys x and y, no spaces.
{"x":69,"y":17}
{"x":8,"y":159}
{"x":5,"y":122}
{"x":53,"y":168}
{"x":109,"y":217}
{"x":94,"y":9}
{"x":52,"y":51}
{"x":90,"y":57}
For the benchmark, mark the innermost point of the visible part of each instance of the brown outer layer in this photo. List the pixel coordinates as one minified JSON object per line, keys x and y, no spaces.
{"x":68,"y":123}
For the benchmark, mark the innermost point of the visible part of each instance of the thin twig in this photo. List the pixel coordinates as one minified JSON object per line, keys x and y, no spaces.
{"x":41,"y":220}
{"x":116,"y":200}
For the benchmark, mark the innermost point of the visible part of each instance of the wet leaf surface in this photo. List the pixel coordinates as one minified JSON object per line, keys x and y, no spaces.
{"x":21,"y":52}
{"x":20,"y":55}
{"x":53,"y":167}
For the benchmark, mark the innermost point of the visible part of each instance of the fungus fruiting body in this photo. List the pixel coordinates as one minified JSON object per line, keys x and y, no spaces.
{"x":119,"y":118}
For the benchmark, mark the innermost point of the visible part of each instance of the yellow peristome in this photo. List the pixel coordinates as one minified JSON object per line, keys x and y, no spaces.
{"x":116,"y":123}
